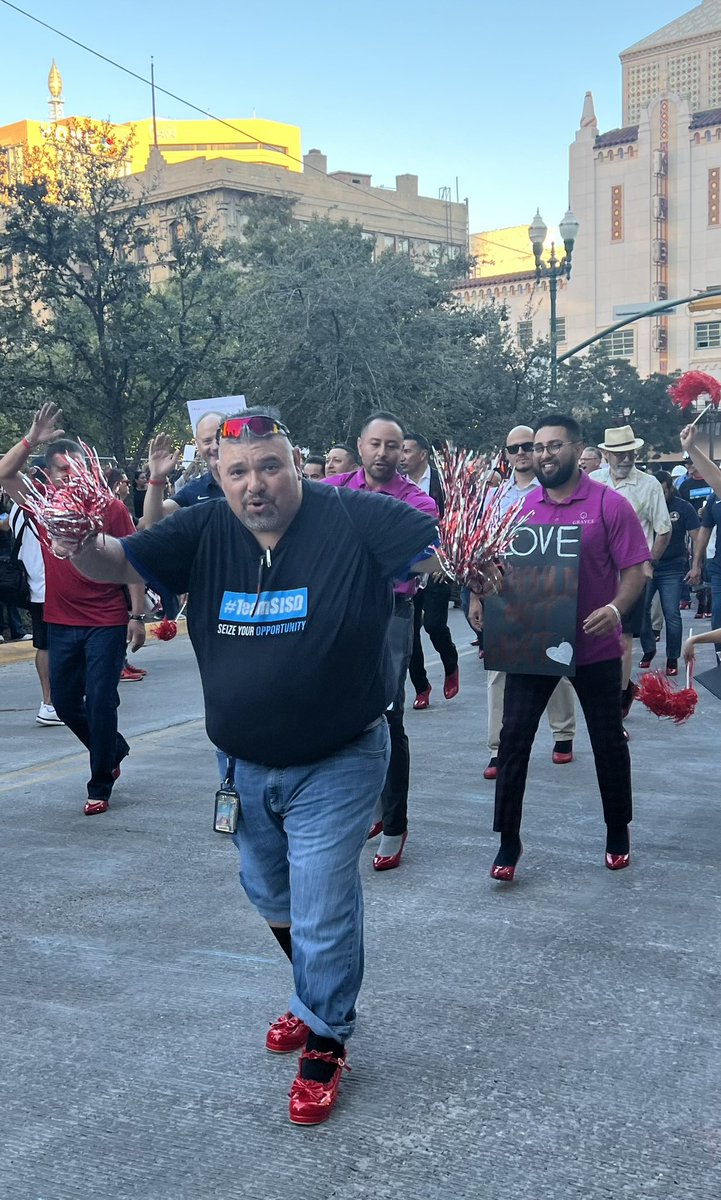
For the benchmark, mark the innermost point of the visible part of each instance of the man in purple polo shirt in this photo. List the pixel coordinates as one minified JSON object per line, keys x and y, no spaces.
{"x":611,"y":577}
{"x":380,"y":446}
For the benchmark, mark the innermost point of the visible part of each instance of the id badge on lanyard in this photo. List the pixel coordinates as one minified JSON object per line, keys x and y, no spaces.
{"x":227,"y":803}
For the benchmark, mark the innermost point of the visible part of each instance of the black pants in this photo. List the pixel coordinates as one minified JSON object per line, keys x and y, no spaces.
{"x":430,"y":606}
{"x":598,"y":687}
{"x":395,"y":790}
{"x":85,"y":664}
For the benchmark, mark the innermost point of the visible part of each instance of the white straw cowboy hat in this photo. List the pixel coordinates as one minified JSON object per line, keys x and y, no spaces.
{"x":619,"y":440}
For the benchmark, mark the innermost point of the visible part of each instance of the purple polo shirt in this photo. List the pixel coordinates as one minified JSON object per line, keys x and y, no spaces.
{"x":399,"y":488}
{"x":611,"y":540}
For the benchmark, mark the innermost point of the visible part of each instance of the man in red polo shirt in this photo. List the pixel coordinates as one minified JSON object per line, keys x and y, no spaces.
{"x":88,"y":622}
{"x":380,"y":446}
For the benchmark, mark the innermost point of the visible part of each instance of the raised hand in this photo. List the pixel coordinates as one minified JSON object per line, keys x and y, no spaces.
{"x":687,"y":437}
{"x":46,"y":425}
{"x":162,"y":459}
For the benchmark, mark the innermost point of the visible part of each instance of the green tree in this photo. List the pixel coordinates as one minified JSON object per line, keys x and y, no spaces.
{"x":81,"y":324}
{"x":603,"y":392}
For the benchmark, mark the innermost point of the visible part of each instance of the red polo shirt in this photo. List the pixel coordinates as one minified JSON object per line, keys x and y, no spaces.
{"x":70,"y":598}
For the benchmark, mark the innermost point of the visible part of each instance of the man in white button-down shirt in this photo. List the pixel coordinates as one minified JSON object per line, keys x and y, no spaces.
{"x":645,"y":495}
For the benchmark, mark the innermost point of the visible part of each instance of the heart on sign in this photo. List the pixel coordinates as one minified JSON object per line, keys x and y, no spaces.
{"x":562,"y":653}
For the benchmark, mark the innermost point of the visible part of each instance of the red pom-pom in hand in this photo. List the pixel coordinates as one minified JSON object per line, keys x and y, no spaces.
{"x":166,"y":630}
{"x":663,"y":700}
{"x":692,"y":385}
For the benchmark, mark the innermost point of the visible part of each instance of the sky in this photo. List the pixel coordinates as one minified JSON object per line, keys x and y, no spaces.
{"x":488,"y":94}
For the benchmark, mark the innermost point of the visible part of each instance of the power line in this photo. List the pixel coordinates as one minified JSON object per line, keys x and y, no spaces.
{"x":228,"y":124}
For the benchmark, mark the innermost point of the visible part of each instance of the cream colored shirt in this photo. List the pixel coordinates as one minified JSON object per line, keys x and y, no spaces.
{"x":645,"y":495}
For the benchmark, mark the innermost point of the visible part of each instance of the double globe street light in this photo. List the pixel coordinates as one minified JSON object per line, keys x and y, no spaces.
{"x":553,"y":270}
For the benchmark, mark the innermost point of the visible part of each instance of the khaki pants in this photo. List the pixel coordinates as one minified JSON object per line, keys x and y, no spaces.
{"x":561,"y":710}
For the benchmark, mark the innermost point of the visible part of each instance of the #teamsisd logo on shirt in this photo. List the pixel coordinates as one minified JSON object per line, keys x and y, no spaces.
{"x":245,"y":614}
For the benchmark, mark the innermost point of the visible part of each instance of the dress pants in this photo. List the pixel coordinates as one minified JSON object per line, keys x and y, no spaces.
{"x":430,"y":606}
{"x":85,"y":664}
{"x":394,"y":799}
{"x":598,"y":687}
{"x":561,"y":710}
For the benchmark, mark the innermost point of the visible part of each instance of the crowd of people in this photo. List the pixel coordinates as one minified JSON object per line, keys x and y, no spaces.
{"x":309,"y":580}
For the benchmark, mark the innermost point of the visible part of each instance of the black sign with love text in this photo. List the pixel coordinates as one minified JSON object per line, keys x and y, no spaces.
{"x":530,"y":627}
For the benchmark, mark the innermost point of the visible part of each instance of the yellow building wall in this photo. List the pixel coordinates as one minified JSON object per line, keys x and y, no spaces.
{"x":268,"y":143}
{"x":502,"y":251}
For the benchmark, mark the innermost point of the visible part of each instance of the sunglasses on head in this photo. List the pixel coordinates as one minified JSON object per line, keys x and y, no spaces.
{"x":526,"y":447}
{"x":236,"y":427}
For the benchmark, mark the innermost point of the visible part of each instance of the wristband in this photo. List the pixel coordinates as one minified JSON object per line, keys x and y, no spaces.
{"x":135,"y":617}
{"x":28,"y":445}
{"x":158,"y":482}
{"x":618,"y":615}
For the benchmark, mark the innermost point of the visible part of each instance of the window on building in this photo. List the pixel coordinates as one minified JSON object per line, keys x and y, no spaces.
{"x":403,"y":245}
{"x":619,"y":344}
{"x":561,"y":329}
{"x":707,"y":335}
{"x":524,"y":332}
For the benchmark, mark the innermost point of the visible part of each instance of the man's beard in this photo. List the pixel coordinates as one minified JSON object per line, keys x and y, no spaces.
{"x":381,"y":471}
{"x":263,"y":522}
{"x":557,"y":478}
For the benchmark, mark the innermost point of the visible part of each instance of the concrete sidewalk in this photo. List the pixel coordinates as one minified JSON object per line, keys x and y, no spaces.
{"x":552,"y":1040}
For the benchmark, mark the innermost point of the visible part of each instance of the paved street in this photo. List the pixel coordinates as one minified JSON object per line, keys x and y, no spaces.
{"x":552,"y":1040}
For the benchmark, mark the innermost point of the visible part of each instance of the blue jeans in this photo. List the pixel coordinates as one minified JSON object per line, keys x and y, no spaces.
{"x":85,"y":664}
{"x":668,"y":585}
{"x":300,"y":836}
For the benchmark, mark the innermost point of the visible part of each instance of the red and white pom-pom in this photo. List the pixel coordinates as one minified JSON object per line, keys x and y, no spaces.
{"x":166,"y":630}
{"x":75,"y":511}
{"x":693,"y":384}
{"x":473,"y":534}
{"x":663,"y":700}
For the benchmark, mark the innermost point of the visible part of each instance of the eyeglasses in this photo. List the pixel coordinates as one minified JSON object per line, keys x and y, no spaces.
{"x":550,"y":447}
{"x":236,"y":427}
{"x":514,"y":448}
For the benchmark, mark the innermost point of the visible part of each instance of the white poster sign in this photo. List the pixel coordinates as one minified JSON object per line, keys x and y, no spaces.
{"x":227,"y":405}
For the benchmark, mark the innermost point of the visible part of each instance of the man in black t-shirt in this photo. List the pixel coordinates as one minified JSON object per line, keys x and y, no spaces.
{"x":290,"y":589}
{"x":668,"y":576}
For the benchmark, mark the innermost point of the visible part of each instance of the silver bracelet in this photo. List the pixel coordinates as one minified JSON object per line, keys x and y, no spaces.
{"x":618,"y":615}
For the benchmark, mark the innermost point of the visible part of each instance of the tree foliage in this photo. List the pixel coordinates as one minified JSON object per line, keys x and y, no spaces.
{"x":82,"y":324}
{"x":602,"y":392}
{"x":121,"y":330}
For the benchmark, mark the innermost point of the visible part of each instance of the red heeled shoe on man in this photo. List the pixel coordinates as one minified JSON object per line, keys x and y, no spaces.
{"x":387,"y":862}
{"x":312,"y":1102}
{"x":451,"y":686}
{"x":93,"y":807}
{"x":504,"y":873}
{"x":423,"y":699}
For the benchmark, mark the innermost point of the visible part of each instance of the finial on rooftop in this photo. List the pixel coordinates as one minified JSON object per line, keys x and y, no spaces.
{"x":56,"y":104}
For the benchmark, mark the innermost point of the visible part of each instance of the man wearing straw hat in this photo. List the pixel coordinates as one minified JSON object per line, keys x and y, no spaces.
{"x":645,"y":495}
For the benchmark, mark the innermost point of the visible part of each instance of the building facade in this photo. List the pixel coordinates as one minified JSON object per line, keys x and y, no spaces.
{"x":211,"y":166}
{"x":647,"y":196}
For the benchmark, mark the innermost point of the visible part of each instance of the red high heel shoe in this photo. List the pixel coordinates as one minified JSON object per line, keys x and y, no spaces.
{"x":375,"y":829}
{"x":423,"y":699}
{"x":93,"y":807}
{"x":617,"y":862}
{"x":386,"y":862}
{"x":505,"y":874}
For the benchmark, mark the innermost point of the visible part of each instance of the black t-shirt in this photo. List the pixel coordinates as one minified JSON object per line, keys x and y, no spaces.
{"x":292,"y":655}
{"x":684,"y":518}
{"x":695,"y":491}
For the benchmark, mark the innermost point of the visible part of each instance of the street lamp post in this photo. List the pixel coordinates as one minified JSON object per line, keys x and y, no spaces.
{"x":553,"y":270}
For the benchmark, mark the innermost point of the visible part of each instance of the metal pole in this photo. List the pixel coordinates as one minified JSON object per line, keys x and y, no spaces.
{"x":647,"y":312}
{"x":553,"y":284}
